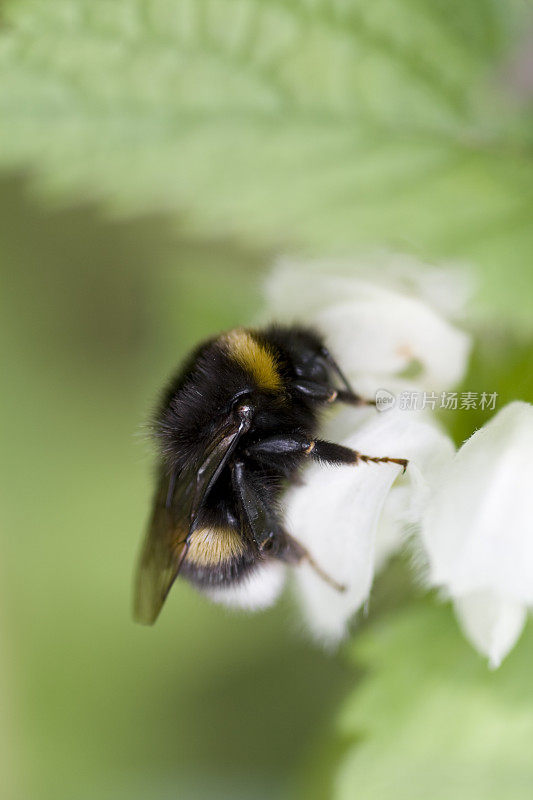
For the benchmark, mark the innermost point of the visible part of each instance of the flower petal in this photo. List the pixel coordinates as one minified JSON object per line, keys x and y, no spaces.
{"x":406,"y":502}
{"x":491,"y":623}
{"x":336,"y":514}
{"x":391,"y":530}
{"x":478,"y":529}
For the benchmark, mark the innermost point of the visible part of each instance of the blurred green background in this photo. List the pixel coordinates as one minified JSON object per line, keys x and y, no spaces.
{"x":156,"y":157}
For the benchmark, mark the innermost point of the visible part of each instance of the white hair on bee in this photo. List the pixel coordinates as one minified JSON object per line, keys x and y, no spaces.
{"x":257,"y":591}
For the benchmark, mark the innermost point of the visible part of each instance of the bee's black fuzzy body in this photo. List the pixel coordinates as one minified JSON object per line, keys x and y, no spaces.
{"x":233,"y":429}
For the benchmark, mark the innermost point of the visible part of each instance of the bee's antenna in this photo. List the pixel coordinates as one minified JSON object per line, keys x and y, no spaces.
{"x":335,"y":367}
{"x":348,"y":396}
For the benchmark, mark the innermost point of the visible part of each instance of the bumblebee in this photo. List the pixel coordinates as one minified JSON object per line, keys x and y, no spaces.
{"x":233,"y":430}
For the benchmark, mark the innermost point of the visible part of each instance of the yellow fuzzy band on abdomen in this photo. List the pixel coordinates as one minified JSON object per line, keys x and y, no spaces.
{"x":211,"y":546}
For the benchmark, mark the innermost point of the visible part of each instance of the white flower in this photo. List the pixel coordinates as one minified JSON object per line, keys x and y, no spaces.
{"x":383,"y":325}
{"x":349,"y":522}
{"x":478,"y":531}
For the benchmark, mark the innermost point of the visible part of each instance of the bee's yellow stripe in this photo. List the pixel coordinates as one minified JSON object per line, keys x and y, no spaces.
{"x":254,"y":357}
{"x":209,"y":547}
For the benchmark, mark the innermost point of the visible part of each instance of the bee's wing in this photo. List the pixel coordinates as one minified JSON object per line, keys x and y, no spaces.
{"x":163,"y":551}
{"x":177,"y":501}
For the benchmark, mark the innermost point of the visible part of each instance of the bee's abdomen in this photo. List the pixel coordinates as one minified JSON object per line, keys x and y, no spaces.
{"x":217,"y":556}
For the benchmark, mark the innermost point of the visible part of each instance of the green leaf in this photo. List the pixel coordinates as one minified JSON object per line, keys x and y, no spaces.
{"x":325,"y":125}
{"x":429,"y":720}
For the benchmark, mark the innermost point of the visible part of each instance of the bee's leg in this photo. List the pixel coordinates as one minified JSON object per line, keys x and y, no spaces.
{"x":276,"y":447}
{"x":294,"y":553}
{"x":270,"y":538}
{"x":333,"y":453}
{"x":321,"y":393}
{"x":254,"y":513}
